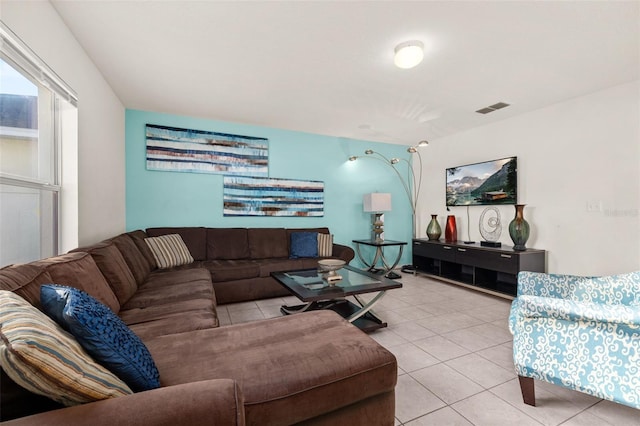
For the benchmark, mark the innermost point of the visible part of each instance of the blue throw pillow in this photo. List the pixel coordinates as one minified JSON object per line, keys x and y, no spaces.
{"x":102,"y":334}
{"x":304,"y":244}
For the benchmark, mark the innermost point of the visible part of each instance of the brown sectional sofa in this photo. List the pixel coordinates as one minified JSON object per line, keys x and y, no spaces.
{"x":241,"y":259}
{"x":312,"y":368}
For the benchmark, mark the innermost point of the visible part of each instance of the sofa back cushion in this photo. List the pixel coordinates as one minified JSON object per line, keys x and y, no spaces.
{"x":25,"y":280}
{"x":115,"y":269}
{"x":227,"y":244}
{"x":79,"y":270}
{"x":137,"y":262}
{"x":138,"y":238}
{"x":267,"y":243}
{"x":195,"y":239}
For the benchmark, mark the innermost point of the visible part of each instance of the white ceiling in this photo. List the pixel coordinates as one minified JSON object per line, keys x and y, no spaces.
{"x":327,"y":67}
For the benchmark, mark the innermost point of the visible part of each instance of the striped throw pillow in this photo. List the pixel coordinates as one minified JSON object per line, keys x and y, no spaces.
{"x":325,"y":245}
{"x":43,"y":358}
{"x":169,"y":250}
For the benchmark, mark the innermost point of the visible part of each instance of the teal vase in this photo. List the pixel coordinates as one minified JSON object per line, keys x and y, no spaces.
{"x":519,"y":229}
{"x":433,"y":229}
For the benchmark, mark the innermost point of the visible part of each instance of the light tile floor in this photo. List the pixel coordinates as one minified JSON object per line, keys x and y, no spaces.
{"x":455,"y":365}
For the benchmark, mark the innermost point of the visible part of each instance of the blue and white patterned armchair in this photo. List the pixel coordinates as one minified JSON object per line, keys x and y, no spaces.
{"x":581,"y":333}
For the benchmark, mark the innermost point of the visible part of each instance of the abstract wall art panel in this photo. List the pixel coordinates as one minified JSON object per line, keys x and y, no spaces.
{"x":250,"y":196}
{"x":197,"y":151}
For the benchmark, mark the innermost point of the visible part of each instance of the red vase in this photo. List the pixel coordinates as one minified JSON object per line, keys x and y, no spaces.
{"x":450,"y":231}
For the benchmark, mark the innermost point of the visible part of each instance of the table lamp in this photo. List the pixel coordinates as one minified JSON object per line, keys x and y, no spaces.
{"x":376,"y":203}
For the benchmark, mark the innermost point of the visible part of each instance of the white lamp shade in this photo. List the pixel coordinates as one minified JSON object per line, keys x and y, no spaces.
{"x":377,"y":202}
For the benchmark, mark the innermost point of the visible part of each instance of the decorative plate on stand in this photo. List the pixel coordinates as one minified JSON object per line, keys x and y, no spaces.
{"x":490,"y":226}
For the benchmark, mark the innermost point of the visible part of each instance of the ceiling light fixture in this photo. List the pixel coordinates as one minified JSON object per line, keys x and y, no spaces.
{"x":408,"y":54}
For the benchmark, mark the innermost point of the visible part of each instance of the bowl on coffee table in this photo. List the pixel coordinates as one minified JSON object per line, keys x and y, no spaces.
{"x":328,"y":268}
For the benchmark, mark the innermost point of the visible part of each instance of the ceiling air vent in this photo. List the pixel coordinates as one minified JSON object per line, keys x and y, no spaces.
{"x":492,"y":108}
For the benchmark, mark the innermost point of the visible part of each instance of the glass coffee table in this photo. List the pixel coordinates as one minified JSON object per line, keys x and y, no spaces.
{"x":309,"y":286}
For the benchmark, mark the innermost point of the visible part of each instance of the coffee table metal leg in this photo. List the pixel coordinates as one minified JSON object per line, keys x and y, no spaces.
{"x":312,"y":306}
{"x":288,"y":310}
{"x":365,"y":307}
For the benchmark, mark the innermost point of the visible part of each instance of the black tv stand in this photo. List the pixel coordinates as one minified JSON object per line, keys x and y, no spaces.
{"x":488,"y":269}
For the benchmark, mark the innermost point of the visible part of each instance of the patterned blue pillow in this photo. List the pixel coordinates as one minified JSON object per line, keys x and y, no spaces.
{"x":102,"y":334}
{"x":304,"y":244}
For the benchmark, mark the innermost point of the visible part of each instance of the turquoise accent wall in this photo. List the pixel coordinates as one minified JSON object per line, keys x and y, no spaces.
{"x":155,"y":198}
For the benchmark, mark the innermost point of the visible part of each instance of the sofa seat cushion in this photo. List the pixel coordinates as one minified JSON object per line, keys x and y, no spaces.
{"x":177,"y":275}
{"x":162,"y":295}
{"x":307,"y":263}
{"x":80,"y":271}
{"x":25,"y":280}
{"x":176,"y":323}
{"x":290,"y":368}
{"x":267,"y":266}
{"x":248,"y":290}
{"x":231,"y":270}
{"x":132,"y":316}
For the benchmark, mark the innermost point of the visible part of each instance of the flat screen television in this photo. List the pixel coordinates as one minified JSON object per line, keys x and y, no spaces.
{"x":487,"y":183}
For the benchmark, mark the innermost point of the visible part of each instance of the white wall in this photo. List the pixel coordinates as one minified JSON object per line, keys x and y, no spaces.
{"x":101,"y":171}
{"x":579,"y":152}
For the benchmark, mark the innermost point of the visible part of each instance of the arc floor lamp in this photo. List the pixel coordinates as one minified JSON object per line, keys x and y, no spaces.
{"x":411,"y":183}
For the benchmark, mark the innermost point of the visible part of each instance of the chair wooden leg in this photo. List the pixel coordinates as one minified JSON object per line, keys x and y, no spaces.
{"x":528,"y":390}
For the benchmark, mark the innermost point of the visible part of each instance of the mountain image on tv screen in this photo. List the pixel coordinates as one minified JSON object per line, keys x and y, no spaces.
{"x":490,"y":182}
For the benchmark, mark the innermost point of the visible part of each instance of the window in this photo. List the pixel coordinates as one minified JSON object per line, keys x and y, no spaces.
{"x":35,"y":107}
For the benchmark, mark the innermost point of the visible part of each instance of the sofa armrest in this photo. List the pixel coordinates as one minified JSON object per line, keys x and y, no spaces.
{"x":217,"y":401}
{"x":621,"y":289}
{"x":345,"y":253}
{"x":545,"y":285}
{"x":625,"y":318}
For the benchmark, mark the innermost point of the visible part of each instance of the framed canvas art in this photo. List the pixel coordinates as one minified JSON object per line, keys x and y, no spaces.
{"x":250,"y":196}
{"x":198,"y":151}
